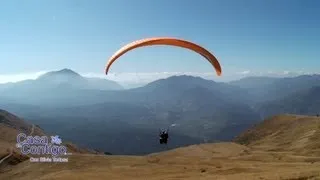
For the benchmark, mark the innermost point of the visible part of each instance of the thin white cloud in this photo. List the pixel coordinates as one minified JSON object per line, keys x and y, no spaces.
{"x":245,"y":72}
{"x":6,"y":78}
{"x":286,"y":72}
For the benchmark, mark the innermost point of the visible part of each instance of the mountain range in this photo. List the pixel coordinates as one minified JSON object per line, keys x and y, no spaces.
{"x":270,"y":89}
{"x":202,"y":110}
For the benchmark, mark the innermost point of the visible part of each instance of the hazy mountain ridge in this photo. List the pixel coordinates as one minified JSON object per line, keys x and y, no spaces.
{"x":64,"y":78}
{"x":204,"y":110}
{"x":199,"y":107}
{"x":306,"y":102}
{"x":176,"y":84}
{"x":269,"y":89}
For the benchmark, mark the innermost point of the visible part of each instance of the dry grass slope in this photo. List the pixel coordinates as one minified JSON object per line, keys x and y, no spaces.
{"x":193,"y":163}
{"x":297,"y":134}
{"x":10,"y":127}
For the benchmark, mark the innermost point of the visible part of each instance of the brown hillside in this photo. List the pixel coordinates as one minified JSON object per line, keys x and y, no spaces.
{"x":294,"y":133}
{"x":10,"y":127}
{"x":190,"y":163}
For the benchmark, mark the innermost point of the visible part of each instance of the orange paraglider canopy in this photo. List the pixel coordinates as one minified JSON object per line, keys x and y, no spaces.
{"x":166,"y":41}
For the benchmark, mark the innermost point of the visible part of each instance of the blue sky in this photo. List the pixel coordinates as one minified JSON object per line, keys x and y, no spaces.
{"x":247,"y":36}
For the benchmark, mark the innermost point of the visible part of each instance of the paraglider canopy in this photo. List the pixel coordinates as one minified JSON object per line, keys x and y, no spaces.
{"x":166,"y":41}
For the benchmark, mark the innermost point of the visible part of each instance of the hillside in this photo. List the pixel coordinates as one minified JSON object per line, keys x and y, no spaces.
{"x":208,"y":161}
{"x":299,"y":135}
{"x":10,"y":127}
{"x":280,"y":148}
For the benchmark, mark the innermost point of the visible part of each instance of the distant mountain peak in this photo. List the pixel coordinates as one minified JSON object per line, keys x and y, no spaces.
{"x":65,"y":71}
{"x":188,"y":79}
{"x":184,"y":76}
{"x":180,"y":78}
{"x":64,"y":76}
